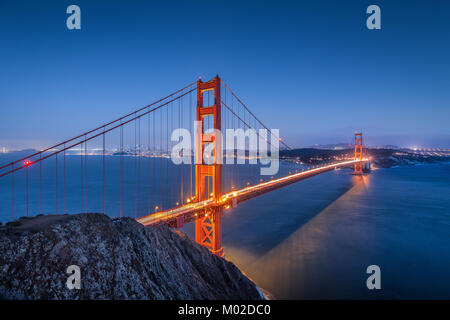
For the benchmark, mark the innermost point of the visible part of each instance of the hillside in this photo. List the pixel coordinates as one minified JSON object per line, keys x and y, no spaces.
{"x":118,"y":259}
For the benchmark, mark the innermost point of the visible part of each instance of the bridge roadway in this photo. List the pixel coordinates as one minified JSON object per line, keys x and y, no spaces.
{"x":176,"y":217}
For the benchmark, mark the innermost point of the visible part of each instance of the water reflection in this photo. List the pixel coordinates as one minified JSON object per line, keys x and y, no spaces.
{"x":291,"y":268}
{"x":315,"y":239}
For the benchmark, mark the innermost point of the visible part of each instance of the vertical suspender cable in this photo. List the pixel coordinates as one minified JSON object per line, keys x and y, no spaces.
{"x":81,"y":175}
{"x":139,"y":168}
{"x":40,"y":183}
{"x":138,"y":175}
{"x":154,"y":149}
{"x":121,"y":169}
{"x":167,"y":151}
{"x":12,"y":192}
{"x":179,"y":135}
{"x":135,"y":172}
{"x":103,"y":173}
{"x":85,"y":175}
{"x":65,"y":207}
{"x":160,"y":157}
{"x":26,"y":172}
{"x":148,"y":166}
{"x":56,"y":183}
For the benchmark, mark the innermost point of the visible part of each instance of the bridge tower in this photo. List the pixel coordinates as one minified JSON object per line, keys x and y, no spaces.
{"x":208,"y":227}
{"x":358,"y":153}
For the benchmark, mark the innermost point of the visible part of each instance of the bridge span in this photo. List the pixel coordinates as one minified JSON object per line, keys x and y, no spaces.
{"x":180,"y":215}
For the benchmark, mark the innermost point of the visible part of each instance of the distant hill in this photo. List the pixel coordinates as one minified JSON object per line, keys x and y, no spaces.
{"x":380,"y":157}
{"x":306,"y":153}
{"x":334,"y":146}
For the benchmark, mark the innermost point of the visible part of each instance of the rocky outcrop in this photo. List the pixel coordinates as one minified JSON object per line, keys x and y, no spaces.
{"x":118,"y":259}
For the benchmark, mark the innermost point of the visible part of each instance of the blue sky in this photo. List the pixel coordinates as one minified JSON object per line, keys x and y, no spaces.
{"x":312,"y":68}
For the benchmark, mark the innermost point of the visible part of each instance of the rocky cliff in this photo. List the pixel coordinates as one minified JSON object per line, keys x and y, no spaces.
{"x":118,"y":259}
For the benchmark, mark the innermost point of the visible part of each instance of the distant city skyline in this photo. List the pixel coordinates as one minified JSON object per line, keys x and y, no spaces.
{"x":313,"y":70}
{"x":129,"y":148}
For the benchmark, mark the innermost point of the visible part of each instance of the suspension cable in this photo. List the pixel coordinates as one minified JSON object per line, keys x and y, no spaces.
{"x":257,"y":119}
{"x":98,"y":128}
{"x":86,"y":139}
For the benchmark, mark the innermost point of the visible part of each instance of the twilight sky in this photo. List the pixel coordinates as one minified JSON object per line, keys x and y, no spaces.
{"x":310,"y":68}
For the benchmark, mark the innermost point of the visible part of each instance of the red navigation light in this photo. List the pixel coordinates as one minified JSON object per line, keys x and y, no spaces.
{"x":27,"y":162}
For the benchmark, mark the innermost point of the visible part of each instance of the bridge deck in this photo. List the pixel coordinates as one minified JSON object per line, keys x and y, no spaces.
{"x":191,"y":211}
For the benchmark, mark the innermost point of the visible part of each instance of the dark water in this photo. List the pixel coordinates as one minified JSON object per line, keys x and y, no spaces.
{"x":310,"y":240}
{"x":315,"y":239}
{"x":134,"y":186}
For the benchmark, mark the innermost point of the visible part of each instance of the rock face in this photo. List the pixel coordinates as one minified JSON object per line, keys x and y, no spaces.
{"x":118,"y":259}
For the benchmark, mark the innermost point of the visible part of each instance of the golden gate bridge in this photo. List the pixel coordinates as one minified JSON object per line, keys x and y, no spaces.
{"x":162,"y":194}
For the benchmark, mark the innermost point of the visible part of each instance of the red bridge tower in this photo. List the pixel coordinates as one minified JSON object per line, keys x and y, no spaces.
{"x":358,"y":153}
{"x":208,"y":227}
